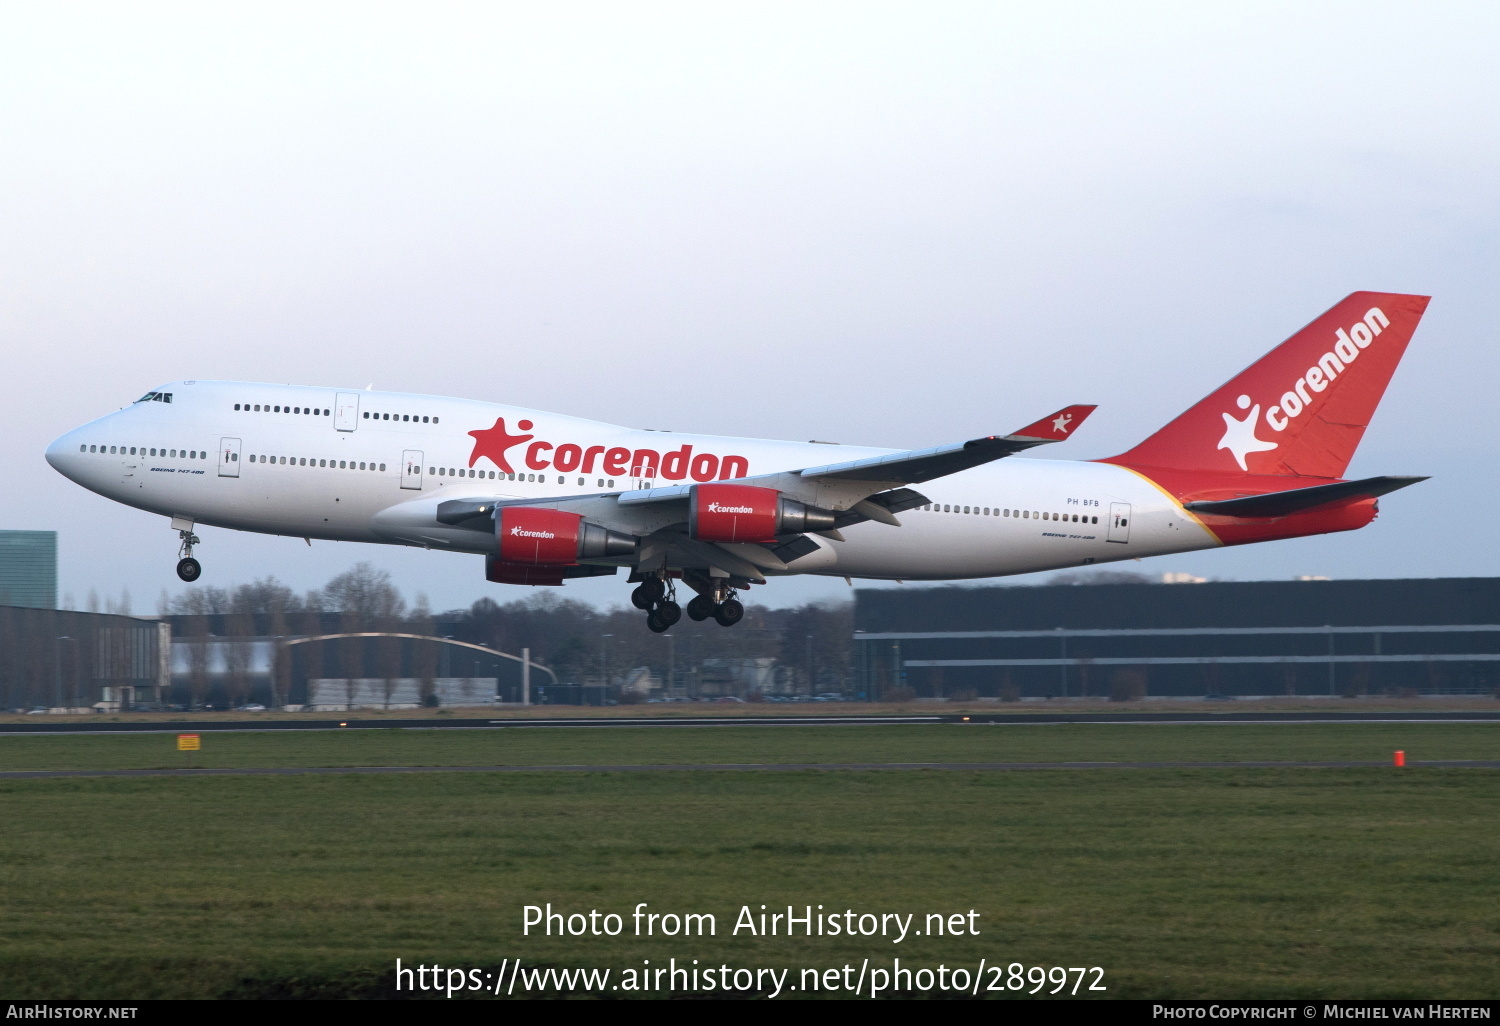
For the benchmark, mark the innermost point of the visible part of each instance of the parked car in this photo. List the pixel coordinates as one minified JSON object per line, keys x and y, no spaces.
{"x":252,"y":707}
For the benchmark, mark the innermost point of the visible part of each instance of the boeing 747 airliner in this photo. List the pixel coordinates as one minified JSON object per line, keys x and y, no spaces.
{"x":545,"y":498}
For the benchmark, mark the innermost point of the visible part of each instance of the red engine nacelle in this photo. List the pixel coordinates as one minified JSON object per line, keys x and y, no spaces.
{"x":553,"y":537}
{"x":744,"y":513}
{"x":501,"y":572}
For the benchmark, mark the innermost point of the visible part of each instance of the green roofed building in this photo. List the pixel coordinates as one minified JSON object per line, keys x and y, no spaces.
{"x":28,"y":569}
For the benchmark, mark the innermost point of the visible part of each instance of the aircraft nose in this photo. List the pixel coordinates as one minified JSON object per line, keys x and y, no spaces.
{"x":62,"y":453}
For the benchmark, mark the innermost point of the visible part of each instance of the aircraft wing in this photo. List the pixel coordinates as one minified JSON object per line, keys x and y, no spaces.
{"x":838,"y":481}
{"x":920,"y":465}
{"x":855,"y":491}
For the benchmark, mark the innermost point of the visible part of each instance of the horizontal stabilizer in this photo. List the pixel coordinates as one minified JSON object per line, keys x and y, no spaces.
{"x":1295,"y":500}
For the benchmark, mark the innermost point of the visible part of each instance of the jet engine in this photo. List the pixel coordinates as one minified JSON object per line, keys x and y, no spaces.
{"x":553,"y":537}
{"x":744,"y":513}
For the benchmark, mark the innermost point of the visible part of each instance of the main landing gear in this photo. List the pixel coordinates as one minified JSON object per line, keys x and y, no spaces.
{"x":727,"y":613}
{"x":658,"y":598}
{"x":188,"y":568}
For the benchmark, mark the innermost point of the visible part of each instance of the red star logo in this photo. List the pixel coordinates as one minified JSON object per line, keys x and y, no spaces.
{"x":491,"y":443}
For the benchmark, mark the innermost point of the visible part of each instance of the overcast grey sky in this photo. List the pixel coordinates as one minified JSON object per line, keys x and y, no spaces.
{"x":890,"y":224}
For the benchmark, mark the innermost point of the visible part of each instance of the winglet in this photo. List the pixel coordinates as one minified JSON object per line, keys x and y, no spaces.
{"x":1054,"y":427}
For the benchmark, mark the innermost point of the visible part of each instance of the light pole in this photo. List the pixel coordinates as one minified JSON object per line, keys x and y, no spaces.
{"x":604,"y":658}
{"x":811,"y":680}
{"x":671,"y":663}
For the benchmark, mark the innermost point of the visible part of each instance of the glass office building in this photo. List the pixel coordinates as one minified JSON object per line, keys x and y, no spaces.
{"x":28,"y":569}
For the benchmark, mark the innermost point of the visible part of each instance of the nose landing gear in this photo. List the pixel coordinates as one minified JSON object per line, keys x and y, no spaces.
{"x":188,"y":568}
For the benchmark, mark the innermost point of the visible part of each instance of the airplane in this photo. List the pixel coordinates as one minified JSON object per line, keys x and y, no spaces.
{"x":546,"y":498}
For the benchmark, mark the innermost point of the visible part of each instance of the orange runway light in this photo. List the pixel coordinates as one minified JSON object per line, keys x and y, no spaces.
{"x":1400,"y":758}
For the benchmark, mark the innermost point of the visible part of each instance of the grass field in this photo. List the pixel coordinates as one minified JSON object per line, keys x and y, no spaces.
{"x":1182,"y":882}
{"x":533,"y":746}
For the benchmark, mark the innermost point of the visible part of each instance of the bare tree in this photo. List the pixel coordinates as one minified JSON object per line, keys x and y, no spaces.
{"x":364,"y":593}
{"x":312,"y":626}
{"x":198,"y":655}
{"x":281,"y":662}
{"x":424,"y":653}
{"x":237,"y":652}
{"x":388,"y":657}
{"x":203,"y":600}
{"x":265,"y":596}
{"x":352,"y":651}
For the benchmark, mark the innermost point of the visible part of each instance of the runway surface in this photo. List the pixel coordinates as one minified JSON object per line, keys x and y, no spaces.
{"x":773,"y":767}
{"x":87,"y":726}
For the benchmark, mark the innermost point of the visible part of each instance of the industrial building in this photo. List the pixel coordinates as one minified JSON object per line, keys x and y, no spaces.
{"x":1221,"y":639}
{"x":60,"y":659}
{"x":28,"y":569}
{"x":68,"y":661}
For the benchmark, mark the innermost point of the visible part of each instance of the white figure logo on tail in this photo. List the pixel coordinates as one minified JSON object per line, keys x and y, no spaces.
{"x":1239,"y":435}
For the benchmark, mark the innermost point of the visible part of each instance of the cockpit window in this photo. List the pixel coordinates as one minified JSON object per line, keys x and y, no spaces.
{"x":155,"y":397}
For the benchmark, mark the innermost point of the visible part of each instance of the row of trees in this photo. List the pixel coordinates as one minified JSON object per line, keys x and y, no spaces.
{"x":806,"y":649}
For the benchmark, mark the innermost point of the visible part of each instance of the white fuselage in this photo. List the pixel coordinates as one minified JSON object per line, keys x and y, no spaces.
{"x":346,"y":471}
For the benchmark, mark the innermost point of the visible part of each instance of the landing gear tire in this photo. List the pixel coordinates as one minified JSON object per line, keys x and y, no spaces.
{"x":668,"y":612}
{"x":648,"y":594}
{"x":654,"y":623}
{"x":729,"y":613}
{"x":700,"y":608}
{"x":189,"y":569}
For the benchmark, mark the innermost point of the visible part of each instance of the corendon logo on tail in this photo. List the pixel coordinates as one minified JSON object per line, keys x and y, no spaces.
{"x":614,"y":461}
{"x":1239,"y":435}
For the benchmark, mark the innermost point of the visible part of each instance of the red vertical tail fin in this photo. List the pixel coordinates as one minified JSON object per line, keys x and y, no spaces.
{"x":1301,"y":409}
